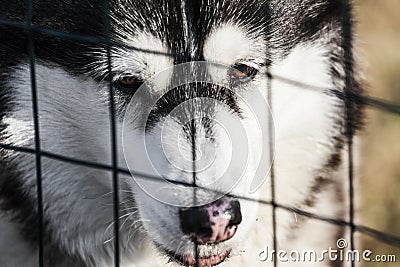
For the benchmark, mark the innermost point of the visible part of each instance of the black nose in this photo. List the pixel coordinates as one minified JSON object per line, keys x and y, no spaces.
{"x":212,"y":223}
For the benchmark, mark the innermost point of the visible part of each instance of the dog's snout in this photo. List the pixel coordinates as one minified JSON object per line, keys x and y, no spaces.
{"x":212,"y":223}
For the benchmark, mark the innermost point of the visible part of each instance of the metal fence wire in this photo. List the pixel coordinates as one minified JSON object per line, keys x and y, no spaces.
{"x":348,"y":97}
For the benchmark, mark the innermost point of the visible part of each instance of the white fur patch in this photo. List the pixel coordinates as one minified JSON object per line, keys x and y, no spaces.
{"x":229,"y":43}
{"x":149,"y":56}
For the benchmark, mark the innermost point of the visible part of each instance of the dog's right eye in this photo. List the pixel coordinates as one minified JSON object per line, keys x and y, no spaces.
{"x":128,"y":84}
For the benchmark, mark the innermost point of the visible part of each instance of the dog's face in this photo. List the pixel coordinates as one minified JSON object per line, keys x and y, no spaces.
{"x":206,"y":129}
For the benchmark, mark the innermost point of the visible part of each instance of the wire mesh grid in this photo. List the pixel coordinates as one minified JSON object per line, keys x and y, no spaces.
{"x":347,"y":96}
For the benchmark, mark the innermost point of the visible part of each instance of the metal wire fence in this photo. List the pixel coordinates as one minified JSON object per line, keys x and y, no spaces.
{"x":347,"y":96}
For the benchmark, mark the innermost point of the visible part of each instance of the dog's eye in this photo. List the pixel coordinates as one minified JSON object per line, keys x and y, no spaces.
{"x":128,"y":84}
{"x":243,"y":71}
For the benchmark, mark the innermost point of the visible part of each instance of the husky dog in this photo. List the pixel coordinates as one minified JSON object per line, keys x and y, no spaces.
{"x":261,"y":46}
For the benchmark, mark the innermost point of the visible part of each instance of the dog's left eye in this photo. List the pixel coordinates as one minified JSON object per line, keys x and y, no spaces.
{"x":242,"y":71}
{"x":128,"y":84}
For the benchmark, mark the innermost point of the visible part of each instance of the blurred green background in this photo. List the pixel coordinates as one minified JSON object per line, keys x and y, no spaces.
{"x":378,"y":184}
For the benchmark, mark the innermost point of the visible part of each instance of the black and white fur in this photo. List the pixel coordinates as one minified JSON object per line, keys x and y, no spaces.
{"x":299,"y":40}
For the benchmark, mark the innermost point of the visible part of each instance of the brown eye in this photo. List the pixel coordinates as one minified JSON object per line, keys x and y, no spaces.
{"x":128,"y":84}
{"x":242,"y":71}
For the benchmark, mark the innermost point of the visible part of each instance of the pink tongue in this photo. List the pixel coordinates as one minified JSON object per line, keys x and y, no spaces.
{"x":210,"y":261}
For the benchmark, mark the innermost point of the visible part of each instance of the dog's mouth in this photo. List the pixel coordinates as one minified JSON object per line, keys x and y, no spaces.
{"x":189,"y":260}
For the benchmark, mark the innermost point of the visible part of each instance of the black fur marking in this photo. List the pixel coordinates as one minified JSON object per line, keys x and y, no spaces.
{"x":337,"y":60}
{"x":319,"y":185}
{"x":334,"y":161}
{"x":179,"y":95}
